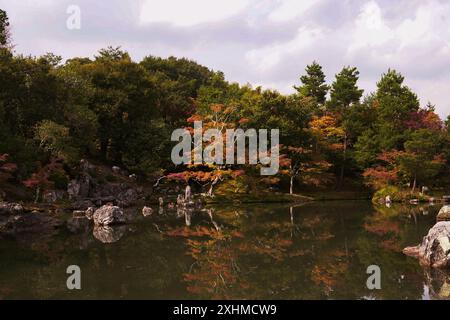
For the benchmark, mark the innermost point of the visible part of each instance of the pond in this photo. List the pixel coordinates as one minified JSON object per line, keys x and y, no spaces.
{"x":318,"y":250}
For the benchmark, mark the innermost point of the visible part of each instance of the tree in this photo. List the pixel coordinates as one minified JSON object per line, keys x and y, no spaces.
{"x":420,"y":162}
{"x":40,"y":180}
{"x":298,"y":156}
{"x":344,"y":90}
{"x":394,"y":104}
{"x":345,"y":95}
{"x":7,"y":168}
{"x":56,"y":139}
{"x":422,"y":159}
{"x":5,"y":36}
{"x":313,"y":83}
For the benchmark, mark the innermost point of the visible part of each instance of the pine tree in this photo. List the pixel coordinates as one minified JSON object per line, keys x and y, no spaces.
{"x":313,"y":83}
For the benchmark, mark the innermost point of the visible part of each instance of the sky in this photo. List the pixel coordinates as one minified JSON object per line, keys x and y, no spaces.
{"x":262,"y":42}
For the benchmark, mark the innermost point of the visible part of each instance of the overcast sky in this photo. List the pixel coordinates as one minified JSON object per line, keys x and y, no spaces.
{"x":263,"y":42}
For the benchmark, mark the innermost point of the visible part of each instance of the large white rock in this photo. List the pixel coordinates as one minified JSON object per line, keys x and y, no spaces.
{"x":444,"y":214}
{"x":434,"y":251}
{"x":108,"y":215}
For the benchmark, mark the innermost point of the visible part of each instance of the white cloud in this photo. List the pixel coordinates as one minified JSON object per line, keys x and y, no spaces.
{"x":268,"y":57}
{"x":289,"y":9}
{"x":265,"y":42}
{"x":370,"y":30}
{"x":190,"y":12}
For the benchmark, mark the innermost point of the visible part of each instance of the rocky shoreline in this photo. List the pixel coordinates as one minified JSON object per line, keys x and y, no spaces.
{"x":434,"y":251}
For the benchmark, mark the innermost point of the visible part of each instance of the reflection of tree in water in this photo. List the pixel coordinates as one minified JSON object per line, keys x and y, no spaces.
{"x":214,"y":270}
{"x":390,"y":230}
{"x":248,"y":252}
{"x":256,"y":261}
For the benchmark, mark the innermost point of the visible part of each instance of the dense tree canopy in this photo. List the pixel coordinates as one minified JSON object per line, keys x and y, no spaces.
{"x":113,"y":109}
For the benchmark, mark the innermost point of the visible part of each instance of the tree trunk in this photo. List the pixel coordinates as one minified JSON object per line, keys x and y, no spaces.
{"x":38,"y":194}
{"x":291,"y":186}
{"x":341,"y":178}
{"x":414,"y":184}
{"x":211,"y":188}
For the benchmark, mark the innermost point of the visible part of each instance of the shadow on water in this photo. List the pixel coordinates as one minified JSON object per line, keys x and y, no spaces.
{"x":318,"y":250}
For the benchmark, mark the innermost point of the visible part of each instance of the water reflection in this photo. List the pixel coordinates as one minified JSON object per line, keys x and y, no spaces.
{"x":313,"y":251}
{"x":109,"y":234}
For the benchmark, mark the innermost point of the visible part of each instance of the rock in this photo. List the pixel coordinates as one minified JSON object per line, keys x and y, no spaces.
{"x":129,"y":197}
{"x":79,"y":188}
{"x":444,"y":214}
{"x":116,"y":169}
{"x":434,"y":251}
{"x":90,"y":212}
{"x":82,"y":204}
{"x":108,"y":215}
{"x":108,"y":234}
{"x":180,"y":200}
{"x":187,"y":193}
{"x":10,"y":208}
{"x":147,"y":211}
{"x":30,"y":223}
{"x":78,"y":213}
{"x":53,"y":195}
{"x":78,"y":224}
{"x":85,"y":165}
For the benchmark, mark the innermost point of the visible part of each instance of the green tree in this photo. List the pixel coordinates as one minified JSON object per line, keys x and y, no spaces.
{"x":313,"y":83}
{"x":344,"y":96}
{"x":5,"y":36}
{"x":422,"y":159}
{"x":394,"y":104}
{"x":344,"y":91}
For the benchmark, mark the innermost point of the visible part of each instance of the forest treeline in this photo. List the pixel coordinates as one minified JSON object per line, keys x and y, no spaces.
{"x":116,"y":111}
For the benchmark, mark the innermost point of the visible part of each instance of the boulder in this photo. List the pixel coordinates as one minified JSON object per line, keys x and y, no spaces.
{"x":128,"y":198}
{"x":10,"y":208}
{"x":116,"y":169}
{"x":82,"y":204}
{"x":80,"y":187}
{"x":434,"y":251}
{"x":52,"y":196}
{"x":78,"y":213}
{"x":147,"y":211}
{"x":444,"y":214}
{"x":78,"y":224}
{"x":108,"y":215}
{"x":90,"y":212}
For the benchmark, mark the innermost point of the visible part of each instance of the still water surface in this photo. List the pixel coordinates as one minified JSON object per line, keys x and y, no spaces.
{"x":313,"y":251}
